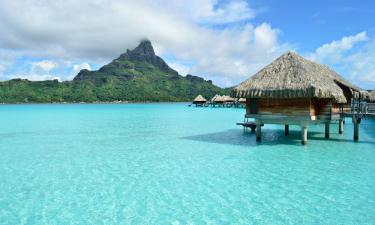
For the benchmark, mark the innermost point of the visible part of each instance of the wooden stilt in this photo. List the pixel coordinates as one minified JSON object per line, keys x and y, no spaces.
{"x":327,"y":125}
{"x":304,"y":135}
{"x":286,"y":129}
{"x":356,"y":130}
{"x":341,"y":126}
{"x":259,"y":132}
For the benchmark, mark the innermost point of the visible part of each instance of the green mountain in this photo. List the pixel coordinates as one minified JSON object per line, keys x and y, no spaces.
{"x":137,"y":76}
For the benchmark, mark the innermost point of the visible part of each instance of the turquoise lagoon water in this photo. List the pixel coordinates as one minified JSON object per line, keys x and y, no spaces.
{"x":173,"y":164}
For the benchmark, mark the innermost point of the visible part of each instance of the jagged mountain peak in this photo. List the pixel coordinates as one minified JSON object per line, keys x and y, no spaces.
{"x":144,"y":48}
{"x":139,"y":62}
{"x":144,"y":52}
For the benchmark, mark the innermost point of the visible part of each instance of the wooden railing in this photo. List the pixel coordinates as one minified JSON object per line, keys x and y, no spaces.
{"x":370,"y":109}
{"x":359,"y":108}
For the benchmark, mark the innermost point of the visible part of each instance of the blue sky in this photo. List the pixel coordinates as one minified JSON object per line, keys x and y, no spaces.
{"x":314,"y":23}
{"x":226,"y":41}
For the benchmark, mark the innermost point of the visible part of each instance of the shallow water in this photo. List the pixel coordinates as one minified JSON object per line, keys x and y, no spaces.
{"x":173,"y":164}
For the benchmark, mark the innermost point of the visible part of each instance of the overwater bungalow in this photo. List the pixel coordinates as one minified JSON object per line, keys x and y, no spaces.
{"x":217,"y":100}
{"x":296,"y":91}
{"x":199,"y":101}
{"x":228,"y":101}
{"x":214,"y":98}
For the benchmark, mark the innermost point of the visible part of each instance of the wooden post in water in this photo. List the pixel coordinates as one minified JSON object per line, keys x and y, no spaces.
{"x":286,"y":129}
{"x":303,"y":134}
{"x":356,"y":129}
{"x":259,"y":132}
{"x":341,"y":126}
{"x":253,"y":129}
{"x":327,"y":130}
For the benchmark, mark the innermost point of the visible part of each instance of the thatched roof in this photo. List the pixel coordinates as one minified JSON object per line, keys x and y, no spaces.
{"x":213,"y":98}
{"x":227,"y":98}
{"x":224,"y":98}
{"x":218,"y":98}
{"x":291,"y":76}
{"x":199,"y":98}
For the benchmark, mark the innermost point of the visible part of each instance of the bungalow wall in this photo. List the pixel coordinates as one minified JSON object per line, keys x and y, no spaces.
{"x":251,"y":106}
{"x":290,"y":106}
{"x":321,"y":108}
{"x":324,"y":108}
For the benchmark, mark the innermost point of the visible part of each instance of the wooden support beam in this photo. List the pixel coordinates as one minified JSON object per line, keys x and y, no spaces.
{"x":259,"y":132}
{"x":286,"y":129}
{"x":327,"y":125}
{"x":304,"y":135}
{"x":341,"y":126}
{"x":356,"y":130}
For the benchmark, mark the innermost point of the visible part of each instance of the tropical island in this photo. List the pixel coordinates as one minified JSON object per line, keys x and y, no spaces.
{"x":137,"y":75}
{"x":280,"y":128}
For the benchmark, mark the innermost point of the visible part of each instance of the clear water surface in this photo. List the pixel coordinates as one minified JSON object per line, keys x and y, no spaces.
{"x":173,"y":164}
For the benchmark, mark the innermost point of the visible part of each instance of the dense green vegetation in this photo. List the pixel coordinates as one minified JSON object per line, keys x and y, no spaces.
{"x":137,"y":76}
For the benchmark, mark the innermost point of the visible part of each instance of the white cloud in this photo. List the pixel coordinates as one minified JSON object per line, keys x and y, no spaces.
{"x":39,"y":71}
{"x":79,"y":67}
{"x":354,"y":61}
{"x":361,"y":65}
{"x":230,"y":12}
{"x":265,"y":37}
{"x":180,"y":68}
{"x":43,"y":66}
{"x":333,"y":51}
{"x":233,"y":54}
{"x":97,"y":31}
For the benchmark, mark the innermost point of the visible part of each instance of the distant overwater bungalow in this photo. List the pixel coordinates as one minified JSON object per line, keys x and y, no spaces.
{"x":217,"y":100}
{"x":199,"y":101}
{"x":224,"y":101}
{"x":296,"y":91}
{"x":228,"y":99}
